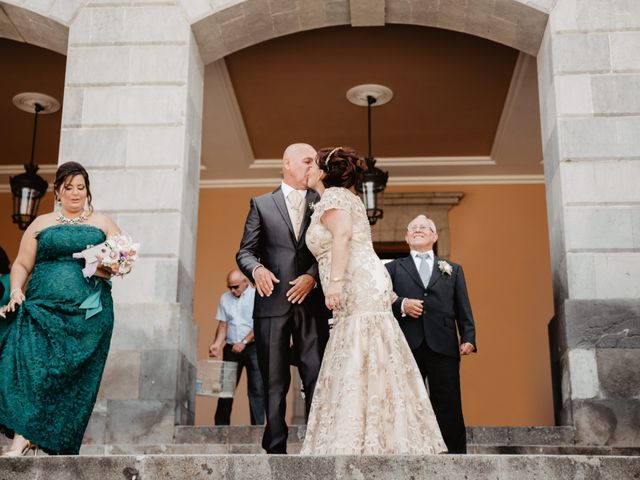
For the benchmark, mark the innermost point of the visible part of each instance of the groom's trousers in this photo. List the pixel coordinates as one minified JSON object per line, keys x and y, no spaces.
{"x":309,"y":333}
{"x":443,"y":378}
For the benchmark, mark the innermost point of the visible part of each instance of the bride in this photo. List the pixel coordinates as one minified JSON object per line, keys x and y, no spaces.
{"x":370,"y":397}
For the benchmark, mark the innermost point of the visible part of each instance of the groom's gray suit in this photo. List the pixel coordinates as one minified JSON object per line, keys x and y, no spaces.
{"x":269,"y":240}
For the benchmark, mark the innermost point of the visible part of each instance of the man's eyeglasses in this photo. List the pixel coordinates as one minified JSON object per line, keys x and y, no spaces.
{"x":415,"y":228}
{"x":233,"y":287}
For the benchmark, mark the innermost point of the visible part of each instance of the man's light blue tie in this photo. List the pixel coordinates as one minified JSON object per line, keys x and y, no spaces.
{"x":423,"y":269}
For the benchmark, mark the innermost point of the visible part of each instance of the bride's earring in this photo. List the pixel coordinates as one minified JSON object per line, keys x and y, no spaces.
{"x":57,"y":205}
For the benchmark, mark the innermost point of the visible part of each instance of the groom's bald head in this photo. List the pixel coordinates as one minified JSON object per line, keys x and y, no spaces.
{"x":297,"y":160}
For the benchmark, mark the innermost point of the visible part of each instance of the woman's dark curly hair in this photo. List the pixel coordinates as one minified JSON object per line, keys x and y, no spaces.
{"x":342,"y":167}
{"x":65,"y":174}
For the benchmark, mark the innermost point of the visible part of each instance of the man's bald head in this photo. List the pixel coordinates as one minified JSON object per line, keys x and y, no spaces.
{"x":297,"y":160}
{"x":236,"y":282}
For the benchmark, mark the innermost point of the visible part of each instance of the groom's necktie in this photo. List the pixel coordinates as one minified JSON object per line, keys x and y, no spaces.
{"x":423,"y":269}
{"x":296,"y":210}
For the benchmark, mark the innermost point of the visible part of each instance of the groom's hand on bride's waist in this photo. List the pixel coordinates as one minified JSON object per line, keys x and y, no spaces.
{"x":264,"y":281}
{"x":301,"y":288}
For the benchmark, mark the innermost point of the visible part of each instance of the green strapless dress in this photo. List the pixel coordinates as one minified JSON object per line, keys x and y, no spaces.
{"x":52,"y":352}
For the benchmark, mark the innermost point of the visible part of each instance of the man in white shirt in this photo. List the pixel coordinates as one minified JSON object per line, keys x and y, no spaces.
{"x":235,"y":338}
{"x":432,"y":308}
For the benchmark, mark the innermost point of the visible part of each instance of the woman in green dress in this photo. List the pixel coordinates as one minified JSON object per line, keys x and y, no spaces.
{"x":4,"y":277}
{"x":52,"y":348}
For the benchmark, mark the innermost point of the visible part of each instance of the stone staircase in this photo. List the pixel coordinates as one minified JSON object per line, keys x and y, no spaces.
{"x":233,"y":453}
{"x":481,"y":440}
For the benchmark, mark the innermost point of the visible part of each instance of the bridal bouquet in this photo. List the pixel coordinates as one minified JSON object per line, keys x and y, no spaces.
{"x":117,"y":254}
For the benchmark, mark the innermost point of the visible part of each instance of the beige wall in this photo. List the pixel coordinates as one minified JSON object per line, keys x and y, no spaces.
{"x":499,"y":235}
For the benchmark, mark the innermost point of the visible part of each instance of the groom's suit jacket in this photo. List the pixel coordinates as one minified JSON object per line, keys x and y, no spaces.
{"x":269,"y":240}
{"x":445,"y":306}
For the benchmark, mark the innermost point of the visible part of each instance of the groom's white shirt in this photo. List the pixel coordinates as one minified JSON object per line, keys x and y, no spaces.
{"x":417,"y":261}
{"x":287,"y":189}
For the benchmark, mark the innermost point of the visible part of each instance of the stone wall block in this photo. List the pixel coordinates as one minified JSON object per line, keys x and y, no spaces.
{"x":152,"y":279}
{"x":121,"y":376}
{"x":581,"y":271}
{"x":155,"y":146}
{"x":134,"y":105}
{"x":158,"y":374}
{"x":105,"y":26}
{"x":96,"y":428}
{"x":616,"y":94}
{"x":153,"y":326}
{"x":635,"y":226}
{"x":607,"y":181}
{"x":155,"y":24}
{"x":64,"y":10}
{"x":607,"y":422}
{"x":337,"y":12}
{"x":563,"y":16}
{"x":601,"y":137}
{"x":166,"y":63}
{"x":581,"y":53}
{"x":617,"y":275}
{"x":599,"y":227}
{"x":146,"y":190}
{"x":94,"y":147}
{"x":583,"y":373}
{"x":139,"y":421}
{"x":619,"y":372}
{"x":196,"y":9}
{"x":589,"y":324}
{"x":158,"y":233}
{"x":613,"y":275}
{"x":97,"y":65}
{"x":574,"y":95}
{"x":72,"y":107}
{"x":624,"y":51}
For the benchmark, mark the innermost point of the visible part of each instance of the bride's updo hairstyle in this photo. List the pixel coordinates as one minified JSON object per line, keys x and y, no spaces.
{"x":342,"y":166}
{"x":65,"y":174}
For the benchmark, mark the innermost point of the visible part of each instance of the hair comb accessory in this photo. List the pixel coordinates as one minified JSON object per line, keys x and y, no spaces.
{"x":331,"y":153}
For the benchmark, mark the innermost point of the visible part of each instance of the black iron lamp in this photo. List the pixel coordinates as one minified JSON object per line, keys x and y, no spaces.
{"x":374,"y":181}
{"x":29,"y":187}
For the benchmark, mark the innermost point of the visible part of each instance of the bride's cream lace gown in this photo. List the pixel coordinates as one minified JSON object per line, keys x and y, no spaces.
{"x":370,"y":397}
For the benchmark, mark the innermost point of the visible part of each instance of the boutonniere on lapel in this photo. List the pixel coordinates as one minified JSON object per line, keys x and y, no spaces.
{"x":311,"y":206}
{"x":445,"y":267}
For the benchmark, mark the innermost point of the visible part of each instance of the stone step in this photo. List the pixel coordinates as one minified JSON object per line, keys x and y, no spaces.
{"x":294,"y":448}
{"x":504,"y":436}
{"x":288,"y":467}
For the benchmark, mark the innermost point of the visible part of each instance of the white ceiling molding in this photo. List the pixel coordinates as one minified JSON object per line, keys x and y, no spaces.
{"x":394,"y":181}
{"x":276,"y":164}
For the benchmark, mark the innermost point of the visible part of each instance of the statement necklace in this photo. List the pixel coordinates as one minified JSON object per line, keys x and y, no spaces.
{"x":73,"y":221}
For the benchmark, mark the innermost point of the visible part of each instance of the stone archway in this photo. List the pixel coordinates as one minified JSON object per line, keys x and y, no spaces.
{"x":589,"y":134}
{"x":41,"y":23}
{"x":221,"y":30}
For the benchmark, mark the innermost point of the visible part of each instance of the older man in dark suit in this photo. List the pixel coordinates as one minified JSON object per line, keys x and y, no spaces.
{"x":432,"y":304}
{"x":290,"y":304}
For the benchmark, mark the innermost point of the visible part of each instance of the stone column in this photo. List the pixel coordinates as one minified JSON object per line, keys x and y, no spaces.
{"x":589,"y":78}
{"x":133,"y":114}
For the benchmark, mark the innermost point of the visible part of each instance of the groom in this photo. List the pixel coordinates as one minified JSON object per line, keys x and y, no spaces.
{"x":432,"y":301}
{"x":290,"y":304}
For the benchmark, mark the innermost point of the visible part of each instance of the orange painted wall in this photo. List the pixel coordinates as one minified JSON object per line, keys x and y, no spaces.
{"x":499,"y":235}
